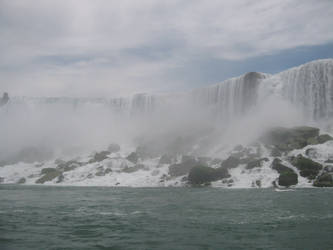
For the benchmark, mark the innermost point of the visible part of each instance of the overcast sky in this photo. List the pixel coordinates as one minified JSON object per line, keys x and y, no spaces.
{"x":115,"y":48}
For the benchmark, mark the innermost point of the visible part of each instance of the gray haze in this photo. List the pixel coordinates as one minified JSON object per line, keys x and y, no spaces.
{"x":113,"y":48}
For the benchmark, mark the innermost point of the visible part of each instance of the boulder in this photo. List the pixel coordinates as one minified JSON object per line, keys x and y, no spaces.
{"x":308,"y":168}
{"x":102,"y":172}
{"x":328,"y":168}
{"x":66,"y":166}
{"x":61,"y":178}
{"x":202,"y":175}
{"x":21,"y":180}
{"x":133,"y":157}
{"x":256,"y":163}
{"x":230,"y":162}
{"x":182,"y":168}
{"x":311,"y":152}
{"x":279,"y":167}
{"x":100,"y":156}
{"x":324,"y":180}
{"x":48,"y":175}
{"x":287,"y":139}
{"x":288,"y":178}
{"x":324,"y":138}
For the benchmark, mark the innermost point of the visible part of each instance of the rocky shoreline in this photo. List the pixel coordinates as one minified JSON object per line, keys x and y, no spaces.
{"x":288,"y":155}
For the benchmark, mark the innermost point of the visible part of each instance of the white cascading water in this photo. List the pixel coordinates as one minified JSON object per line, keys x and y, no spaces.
{"x":235,"y":103}
{"x":309,"y":87}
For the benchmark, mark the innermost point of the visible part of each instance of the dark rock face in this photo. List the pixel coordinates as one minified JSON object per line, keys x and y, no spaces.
{"x":287,"y":179}
{"x":230,"y":162}
{"x":324,"y":138}
{"x":102,"y":172}
{"x":114,"y":148}
{"x":287,"y":176}
{"x":328,"y":168}
{"x":308,"y":168}
{"x":133,"y":157}
{"x":182,"y":168}
{"x":65,"y":166}
{"x":311,"y":152}
{"x":279,"y":167}
{"x":101,"y":156}
{"x":255,"y":163}
{"x":287,"y":139}
{"x":324,"y":180}
{"x":49,"y":175}
{"x":21,"y":181}
{"x":200,"y":175}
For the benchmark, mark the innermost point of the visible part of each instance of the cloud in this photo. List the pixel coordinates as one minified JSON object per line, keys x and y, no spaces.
{"x":102,"y":47}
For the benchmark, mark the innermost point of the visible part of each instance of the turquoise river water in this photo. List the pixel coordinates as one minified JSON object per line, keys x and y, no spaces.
{"x":48,"y":217}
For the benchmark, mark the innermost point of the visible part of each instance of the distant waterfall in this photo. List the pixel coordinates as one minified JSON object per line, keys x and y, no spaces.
{"x":308,"y":87}
{"x":232,"y":97}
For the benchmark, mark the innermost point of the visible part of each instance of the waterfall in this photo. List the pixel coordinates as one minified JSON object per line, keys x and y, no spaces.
{"x":308,"y":87}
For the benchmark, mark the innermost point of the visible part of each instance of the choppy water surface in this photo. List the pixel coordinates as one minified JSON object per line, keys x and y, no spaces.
{"x":42,"y":217}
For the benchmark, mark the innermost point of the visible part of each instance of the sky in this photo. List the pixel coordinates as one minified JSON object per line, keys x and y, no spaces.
{"x":108,"y":48}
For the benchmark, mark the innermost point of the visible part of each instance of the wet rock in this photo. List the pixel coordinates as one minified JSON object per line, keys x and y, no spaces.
{"x":134,"y":169}
{"x":48,"y":175}
{"x":114,"y":148}
{"x":66,"y":166}
{"x":230,"y":162}
{"x":256,"y":163}
{"x":328,"y":168}
{"x":286,"y":139}
{"x":201,"y":175}
{"x":102,"y":172}
{"x":21,"y":180}
{"x":324,"y":138}
{"x":288,"y":178}
{"x":308,"y":168}
{"x":279,"y":167}
{"x":311,"y":152}
{"x":100,"y":156}
{"x":61,"y":178}
{"x":133,"y":157}
{"x":324,"y":180}
{"x":182,"y":168}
